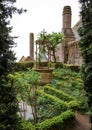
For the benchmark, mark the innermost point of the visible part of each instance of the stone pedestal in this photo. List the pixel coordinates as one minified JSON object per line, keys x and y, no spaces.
{"x":46,"y":75}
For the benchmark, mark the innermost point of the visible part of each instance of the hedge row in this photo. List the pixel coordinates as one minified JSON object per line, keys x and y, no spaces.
{"x":21,"y":66}
{"x":50,"y":90}
{"x":71,"y":102}
{"x":72,"y":67}
{"x":26,"y":125}
{"x":64,"y":106}
{"x":57,"y":122}
{"x":52,"y":64}
{"x":54,"y":123}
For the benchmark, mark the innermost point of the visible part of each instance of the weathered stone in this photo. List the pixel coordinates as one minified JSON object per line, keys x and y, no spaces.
{"x":46,"y":75}
{"x":31,"y":45}
{"x":74,"y":55}
{"x":67,"y":31}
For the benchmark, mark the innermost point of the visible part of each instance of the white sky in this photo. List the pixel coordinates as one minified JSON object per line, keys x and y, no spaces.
{"x":41,"y":14}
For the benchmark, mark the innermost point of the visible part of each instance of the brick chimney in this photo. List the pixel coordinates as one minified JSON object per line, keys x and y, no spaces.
{"x":67,"y":31}
{"x":31,"y":43}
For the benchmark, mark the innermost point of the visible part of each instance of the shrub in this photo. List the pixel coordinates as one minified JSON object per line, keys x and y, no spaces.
{"x":21,"y":66}
{"x":58,"y":65}
{"x":71,"y":83}
{"x":58,"y":122}
{"x":72,"y":67}
{"x":58,"y":93}
{"x":53,"y":99}
{"x":25,"y":125}
{"x":72,"y":102}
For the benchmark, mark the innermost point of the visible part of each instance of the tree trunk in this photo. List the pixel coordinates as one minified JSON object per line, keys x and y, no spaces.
{"x":54,"y":56}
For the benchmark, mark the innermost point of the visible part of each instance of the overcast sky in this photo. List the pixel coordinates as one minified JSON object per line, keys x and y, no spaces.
{"x":41,"y":14}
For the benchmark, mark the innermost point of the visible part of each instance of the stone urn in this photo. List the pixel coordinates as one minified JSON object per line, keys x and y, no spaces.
{"x":46,"y":75}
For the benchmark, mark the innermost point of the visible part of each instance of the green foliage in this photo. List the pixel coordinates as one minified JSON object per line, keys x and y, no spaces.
{"x":25,"y":125}
{"x":50,"y":124}
{"x":58,"y":122}
{"x":26,"y":83}
{"x":65,"y":73}
{"x":58,"y":65}
{"x":72,"y":102}
{"x":8,"y":102}
{"x":86,"y":48}
{"x":71,"y":83}
{"x":8,"y":107}
{"x":21,"y":66}
{"x":54,"y":39}
{"x":72,"y":67}
{"x":51,"y":98}
{"x":86,"y":30}
{"x":60,"y":94}
{"x":7,"y":56}
{"x":49,"y":106}
{"x":43,"y":64}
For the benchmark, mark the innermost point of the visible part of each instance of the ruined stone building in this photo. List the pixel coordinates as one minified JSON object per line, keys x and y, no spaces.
{"x":69,"y":51}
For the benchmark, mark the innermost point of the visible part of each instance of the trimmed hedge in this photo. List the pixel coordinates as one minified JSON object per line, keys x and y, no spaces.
{"x":58,"y":93}
{"x":58,"y":65}
{"x":52,"y":64}
{"x":58,"y":122}
{"x":63,"y":105}
{"x":71,"y":102}
{"x":43,"y":64}
{"x":55,"y":123}
{"x":72,"y":67}
{"x":26,"y":125}
{"x":21,"y":66}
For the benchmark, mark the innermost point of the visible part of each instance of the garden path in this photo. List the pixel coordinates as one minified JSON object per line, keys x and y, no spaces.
{"x":82,"y":122}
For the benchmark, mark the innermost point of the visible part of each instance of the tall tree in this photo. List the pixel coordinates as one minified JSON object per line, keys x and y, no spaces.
{"x":8,"y":102}
{"x":86,"y":49}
